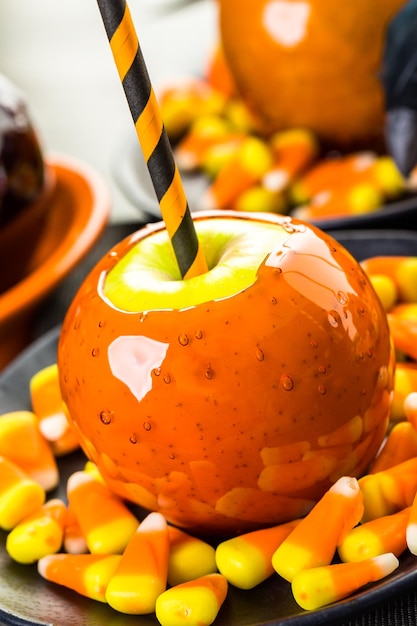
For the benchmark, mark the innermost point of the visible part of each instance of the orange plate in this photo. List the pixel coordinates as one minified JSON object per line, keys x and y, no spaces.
{"x":77,"y":211}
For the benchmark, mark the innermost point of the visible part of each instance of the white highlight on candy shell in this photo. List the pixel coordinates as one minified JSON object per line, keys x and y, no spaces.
{"x":286,"y":22}
{"x":132,"y":359}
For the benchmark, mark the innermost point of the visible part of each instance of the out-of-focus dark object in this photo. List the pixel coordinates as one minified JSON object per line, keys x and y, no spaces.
{"x":75,"y":212}
{"x":400,"y":82}
{"x":26,"y":185}
{"x":53,"y":210}
{"x":21,"y":160}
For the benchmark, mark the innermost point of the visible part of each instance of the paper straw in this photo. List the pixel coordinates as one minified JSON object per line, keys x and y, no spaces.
{"x":152,"y":136}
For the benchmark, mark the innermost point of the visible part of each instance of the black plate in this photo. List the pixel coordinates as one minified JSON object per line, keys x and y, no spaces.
{"x":27,"y":599}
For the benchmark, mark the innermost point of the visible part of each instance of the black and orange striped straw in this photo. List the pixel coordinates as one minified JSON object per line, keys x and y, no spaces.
{"x":152,"y":136}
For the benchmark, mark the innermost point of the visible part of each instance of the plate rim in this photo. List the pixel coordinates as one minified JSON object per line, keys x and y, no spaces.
{"x":14,"y":300}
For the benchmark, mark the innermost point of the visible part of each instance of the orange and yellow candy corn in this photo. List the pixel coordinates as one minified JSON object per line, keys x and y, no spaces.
{"x":205,"y":132}
{"x":194,"y":603}
{"x":405,"y":382}
{"x":404,"y":334}
{"x":378,"y":536}
{"x":313,"y":541}
{"x":294,"y":150}
{"x":49,"y":408}
{"x":357,"y":200}
{"x":216,"y":156}
{"x":87,"y":574}
{"x":260,"y":199}
{"x":74,"y":541}
{"x":401,"y":269}
{"x":39,"y":534}
{"x":189,"y":557}
{"x":250,"y":161}
{"x":411,"y":530}
{"x":318,"y":587}
{"x":141,"y":575}
{"x":410,"y":408}
{"x":246,"y":560}
{"x":400,"y":445}
{"x":20,"y":495}
{"x":106,"y":522}
{"x":386,"y":289}
{"x":389,"y":490}
{"x":181,"y":105}
{"x":332,"y":173}
{"x":22,"y":443}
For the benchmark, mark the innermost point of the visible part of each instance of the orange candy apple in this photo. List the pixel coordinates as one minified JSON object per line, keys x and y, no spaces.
{"x":232,"y":400}
{"x":311,"y":63}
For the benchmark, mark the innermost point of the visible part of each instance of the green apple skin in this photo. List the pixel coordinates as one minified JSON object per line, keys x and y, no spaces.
{"x":232,"y":400}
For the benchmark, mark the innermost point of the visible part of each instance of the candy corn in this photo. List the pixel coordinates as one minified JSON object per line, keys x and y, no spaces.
{"x":401,"y":269}
{"x":400,"y":445}
{"x":215,"y":157}
{"x":389,"y":490}
{"x":386,"y":289}
{"x":22,"y":443}
{"x":189,"y":557}
{"x":378,"y":536}
{"x":246,"y":560}
{"x":404,"y":334}
{"x":194,"y":603}
{"x":74,"y":541}
{"x":411,"y":530}
{"x":183,"y":104}
{"x":405,"y":310}
{"x":405,"y":382}
{"x":141,"y":575}
{"x":313,"y":541}
{"x":20,"y":495}
{"x":387,"y":177}
{"x":294,"y":150}
{"x":259,"y":199}
{"x":332,"y":174}
{"x":315,"y":588}
{"x":106,"y":522}
{"x":204,"y":132}
{"x":241,"y":116}
{"x":49,"y":408}
{"x":87,"y":574}
{"x":39,"y":534}
{"x":410,"y":408}
{"x":251,"y":160}
{"x":357,"y":200}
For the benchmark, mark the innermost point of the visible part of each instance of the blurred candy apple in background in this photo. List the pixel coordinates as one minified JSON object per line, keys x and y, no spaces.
{"x":21,"y":159}
{"x":231,"y":400}
{"x":312,"y":64}
{"x":25,"y":184}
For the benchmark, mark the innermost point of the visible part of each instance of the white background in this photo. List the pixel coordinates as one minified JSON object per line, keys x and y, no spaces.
{"x":57,"y":52}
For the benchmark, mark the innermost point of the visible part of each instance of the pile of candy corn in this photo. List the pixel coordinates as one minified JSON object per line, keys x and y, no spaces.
{"x":214,"y":134}
{"x":353,"y":536}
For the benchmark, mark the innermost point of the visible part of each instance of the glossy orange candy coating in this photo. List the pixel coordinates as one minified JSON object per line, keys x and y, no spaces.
{"x":303,"y":63}
{"x":262,"y":400}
